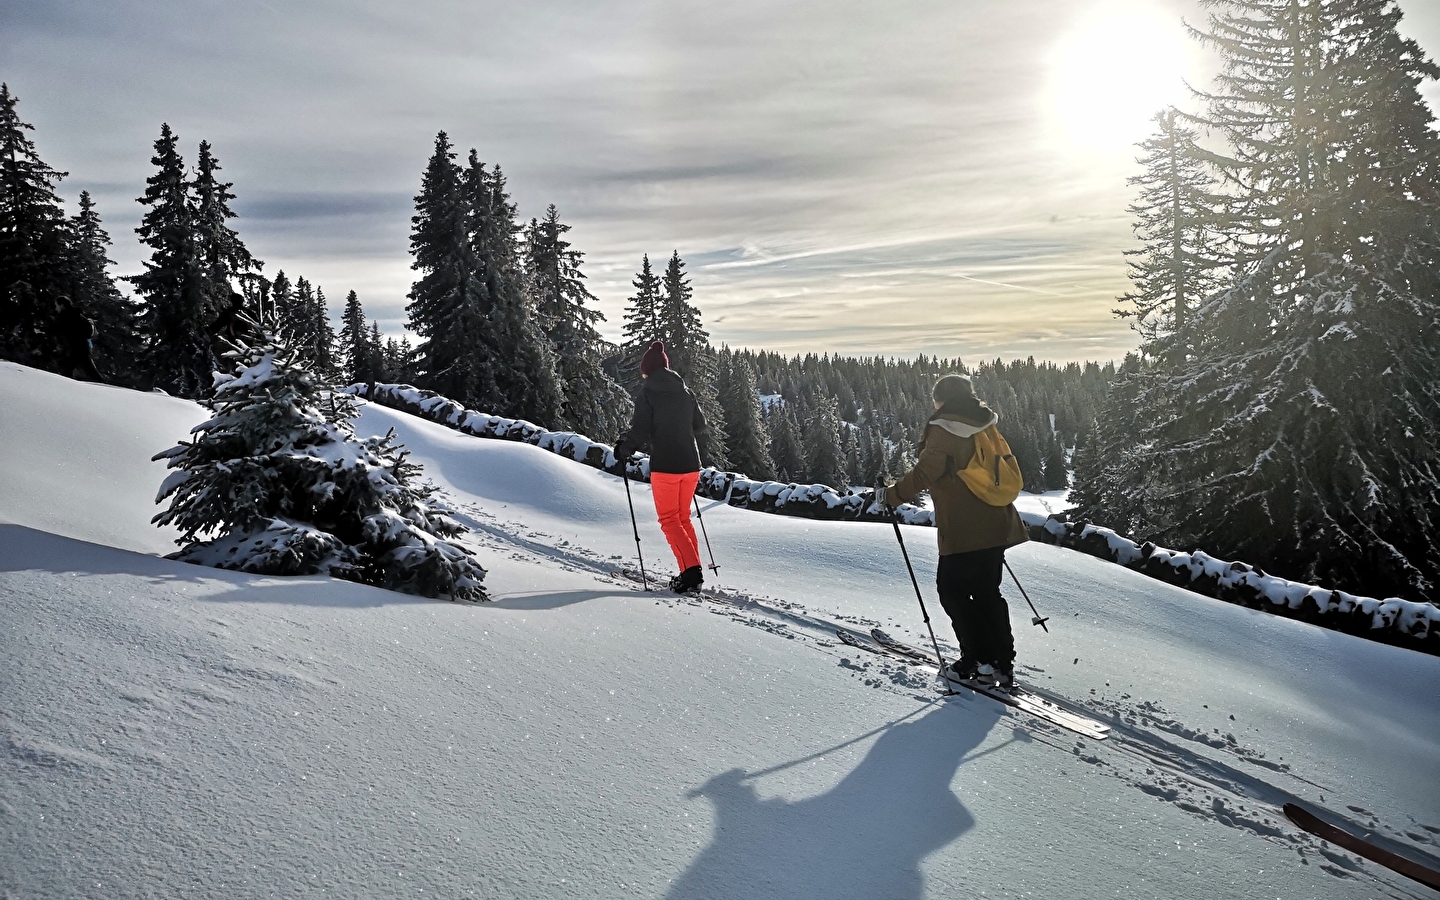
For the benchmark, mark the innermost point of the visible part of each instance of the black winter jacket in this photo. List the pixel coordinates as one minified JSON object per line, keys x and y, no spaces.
{"x":667,"y":420}
{"x":74,"y":326}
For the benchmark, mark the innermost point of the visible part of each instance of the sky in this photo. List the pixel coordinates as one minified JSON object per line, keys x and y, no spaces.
{"x":838,"y":176}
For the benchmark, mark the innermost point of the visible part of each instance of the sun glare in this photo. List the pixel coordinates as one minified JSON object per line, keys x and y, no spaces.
{"x":1112,"y":72}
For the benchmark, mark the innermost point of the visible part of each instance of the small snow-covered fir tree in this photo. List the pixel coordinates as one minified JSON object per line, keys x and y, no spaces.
{"x":279,"y":484}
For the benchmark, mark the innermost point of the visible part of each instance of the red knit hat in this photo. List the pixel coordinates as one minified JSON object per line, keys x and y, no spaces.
{"x":654,"y":358}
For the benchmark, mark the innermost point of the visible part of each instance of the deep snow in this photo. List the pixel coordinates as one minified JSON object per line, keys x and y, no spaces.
{"x":170,"y":730}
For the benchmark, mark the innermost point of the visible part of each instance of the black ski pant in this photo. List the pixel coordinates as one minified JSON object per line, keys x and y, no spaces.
{"x":76,"y":357}
{"x":969,"y":585}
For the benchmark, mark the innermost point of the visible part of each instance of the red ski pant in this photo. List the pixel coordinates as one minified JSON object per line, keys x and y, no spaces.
{"x":673,"y":494}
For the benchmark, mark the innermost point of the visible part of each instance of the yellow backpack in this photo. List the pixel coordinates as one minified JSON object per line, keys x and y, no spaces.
{"x":992,"y":474}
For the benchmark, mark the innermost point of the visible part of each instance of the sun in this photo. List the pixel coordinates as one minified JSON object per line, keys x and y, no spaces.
{"x":1112,"y":71}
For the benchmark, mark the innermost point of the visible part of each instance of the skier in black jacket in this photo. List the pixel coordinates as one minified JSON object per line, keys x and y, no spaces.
{"x":667,"y":420}
{"x":76,"y":333}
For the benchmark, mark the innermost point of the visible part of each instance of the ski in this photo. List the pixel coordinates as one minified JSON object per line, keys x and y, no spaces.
{"x":1358,"y":845}
{"x":1023,"y":700}
{"x":890,"y":643}
{"x":650,"y":583}
{"x":851,"y":640}
{"x":634,"y":578}
{"x":1017,"y":697}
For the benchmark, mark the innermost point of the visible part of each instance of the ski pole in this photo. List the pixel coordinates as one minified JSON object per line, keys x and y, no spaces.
{"x":713,"y":567}
{"x":1037,"y":619}
{"x":626,"y":476}
{"x":895,"y":521}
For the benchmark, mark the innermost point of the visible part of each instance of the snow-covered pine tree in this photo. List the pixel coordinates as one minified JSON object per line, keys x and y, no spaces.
{"x":374,"y":347}
{"x":1302,"y":432}
{"x":327,"y":365}
{"x":687,"y":344}
{"x":359,"y":345}
{"x":448,"y":304}
{"x":642,"y":324}
{"x":223,"y":255}
{"x":1181,"y":255}
{"x":400,"y":365}
{"x":521,"y":361}
{"x":1057,"y":475}
{"x":354,"y":341}
{"x":276,"y":482}
{"x":117,"y":343}
{"x":306,"y":328}
{"x":280,"y":315}
{"x":787,"y":454}
{"x":179,"y":303}
{"x":746,"y":441}
{"x":1118,"y":482}
{"x":874,"y":460}
{"x":902,"y":455}
{"x":850,"y":450}
{"x":35,"y":267}
{"x":593,"y":403}
{"x":824,"y":454}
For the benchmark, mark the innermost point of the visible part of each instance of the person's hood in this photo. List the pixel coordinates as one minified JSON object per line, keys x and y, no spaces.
{"x":664,"y":381}
{"x":966,"y":423}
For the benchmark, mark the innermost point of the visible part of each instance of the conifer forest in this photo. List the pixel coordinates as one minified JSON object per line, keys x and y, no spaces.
{"x":1282,"y":405}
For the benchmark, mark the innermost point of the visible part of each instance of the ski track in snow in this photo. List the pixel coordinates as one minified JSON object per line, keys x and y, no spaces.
{"x":1210,"y":776}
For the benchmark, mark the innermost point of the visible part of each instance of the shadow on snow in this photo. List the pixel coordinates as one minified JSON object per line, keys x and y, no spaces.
{"x":865,"y":837}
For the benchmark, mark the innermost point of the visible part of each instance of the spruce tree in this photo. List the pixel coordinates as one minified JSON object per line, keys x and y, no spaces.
{"x":524,"y":365}
{"x":282,"y":301}
{"x":359,"y":349}
{"x":1300,"y":434}
{"x":642,"y":324}
{"x":399,"y":359}
{"x":593,"y":403}
{"x":824,"y":455}
{"x":179,"y":300}
{"x":223,"y":255}
{"x":375,"y":365}
{"x":687,"y":344}
{"x":1057,"y":476}
{"x":874,"y":458}
{"x":276,"y":483}
{"x":35,"y":259}
{"x":746,"y":441}
{"x":850,"y":450}
{"x":117,"y":343}
{"x":1177,"y":221}
{"x":308,"y":330}
{"x":787,"y":455}
{"x":448,"y":304}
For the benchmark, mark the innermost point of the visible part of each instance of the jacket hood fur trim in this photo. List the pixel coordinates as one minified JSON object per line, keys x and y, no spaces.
{"x":965,"y":427}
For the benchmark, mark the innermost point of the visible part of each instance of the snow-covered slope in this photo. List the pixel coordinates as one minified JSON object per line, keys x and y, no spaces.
{"x":176,"y":731}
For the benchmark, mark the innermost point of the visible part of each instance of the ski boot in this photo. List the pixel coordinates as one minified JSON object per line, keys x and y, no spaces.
{"x":688,"y":581}
{"x":961,"y":669}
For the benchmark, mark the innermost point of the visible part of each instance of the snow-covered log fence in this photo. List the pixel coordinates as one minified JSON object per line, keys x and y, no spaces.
{"x":1395,"y":621}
